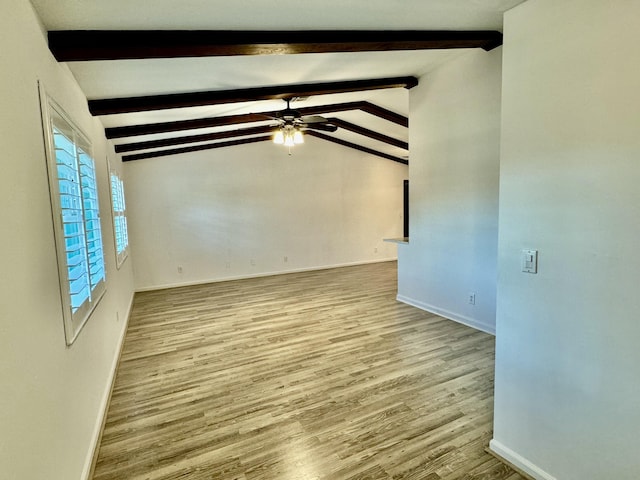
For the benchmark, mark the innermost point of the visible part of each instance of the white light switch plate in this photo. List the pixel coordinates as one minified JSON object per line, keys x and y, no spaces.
{"x":530,"y":261}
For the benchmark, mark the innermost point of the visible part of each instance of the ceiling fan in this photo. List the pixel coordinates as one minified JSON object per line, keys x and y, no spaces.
{"x":292,"y":124}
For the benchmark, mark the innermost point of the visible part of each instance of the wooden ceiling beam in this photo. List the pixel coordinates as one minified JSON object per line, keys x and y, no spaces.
{"x":386,"y":114}
{"x":110,"y":106}
{"x":90,"y":45}
{"x":352,"y":127}
{"x":173,"y":141}
{"x":244,"y":141}
{"x":194,"y":148}
{"x":358,"y":147}
{"x":183,"y":125}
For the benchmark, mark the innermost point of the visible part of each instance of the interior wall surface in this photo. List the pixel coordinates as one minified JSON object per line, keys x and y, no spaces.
{"x":567,"y":356}
{"x":51,"y":396}
{"x":449,"y":266}
{"x":254,"y":210}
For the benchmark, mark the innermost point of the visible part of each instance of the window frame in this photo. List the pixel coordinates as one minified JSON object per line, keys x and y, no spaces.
{"x":119,"y":215}
{"x":54,"y":116}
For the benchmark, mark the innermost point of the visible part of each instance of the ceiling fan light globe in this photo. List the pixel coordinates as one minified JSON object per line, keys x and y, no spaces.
{"x":278,"y":137}
{"x":288,"y":141}
{"x":298,"y":138}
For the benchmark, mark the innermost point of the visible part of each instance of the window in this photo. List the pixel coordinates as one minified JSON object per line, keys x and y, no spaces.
{"x":76,"y":217}
{"x":121,"y":234}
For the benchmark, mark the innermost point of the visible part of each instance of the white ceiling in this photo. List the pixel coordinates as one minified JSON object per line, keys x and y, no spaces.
{"x":123,"y":78}
{"x":274,"y":14}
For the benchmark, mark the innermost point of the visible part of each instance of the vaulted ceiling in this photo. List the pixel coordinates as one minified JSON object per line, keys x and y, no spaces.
{"x":168,"y":77}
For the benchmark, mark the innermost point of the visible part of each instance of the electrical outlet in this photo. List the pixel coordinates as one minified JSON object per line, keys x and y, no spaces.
{"x":375,"y":250}
{"x":179,"y":268}
{"x":253,"y":262}
{"x":472,"y":298}
{"x":286,"y":259}
{"x":227,"y":264}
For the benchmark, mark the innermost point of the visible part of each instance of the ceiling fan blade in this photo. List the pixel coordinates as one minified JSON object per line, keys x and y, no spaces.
{"x":324,"y":127}
{"x":313,"y":119}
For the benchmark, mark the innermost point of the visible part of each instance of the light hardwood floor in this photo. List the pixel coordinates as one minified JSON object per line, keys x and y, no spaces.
{"x":319,"y":375}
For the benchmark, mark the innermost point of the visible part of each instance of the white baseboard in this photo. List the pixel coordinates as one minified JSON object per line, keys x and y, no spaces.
{"x":87,"y":471}
{"x":262,"y":274}
{"x":468,"y":321}
{"x":518,"y":461}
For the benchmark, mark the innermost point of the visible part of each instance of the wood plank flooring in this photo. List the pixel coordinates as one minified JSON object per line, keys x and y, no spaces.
{"x":311,"y":376}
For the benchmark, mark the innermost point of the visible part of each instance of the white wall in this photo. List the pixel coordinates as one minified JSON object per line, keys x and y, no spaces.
{"x":51,"y":396}
{"x":238,"y":211}
{"x":567,"y":397}
{"x":455,"y":141}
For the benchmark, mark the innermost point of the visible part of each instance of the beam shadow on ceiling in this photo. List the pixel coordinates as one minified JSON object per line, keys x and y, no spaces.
{"x":244,"y":141}
{"x":182,"y":125}
{"x":110,"y":106}
{"x":85,"y":45}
